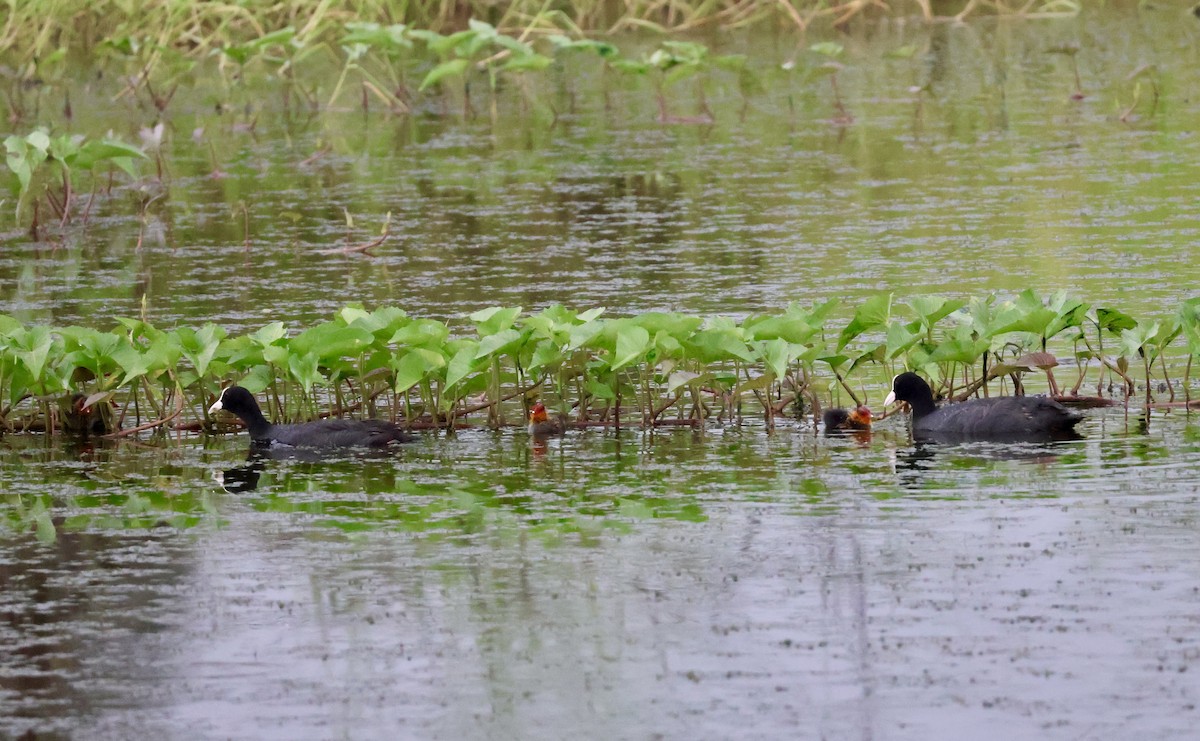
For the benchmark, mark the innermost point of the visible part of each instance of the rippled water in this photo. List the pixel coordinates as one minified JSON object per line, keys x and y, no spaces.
{"x":611,"y":586}
{"x":722,"y":583}
{"x":992,"y":181}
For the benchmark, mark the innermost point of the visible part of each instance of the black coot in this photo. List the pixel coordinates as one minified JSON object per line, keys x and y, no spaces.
{"x":326,"y":433}
{"x":1012,"y":418}
{"x":838,"y":420}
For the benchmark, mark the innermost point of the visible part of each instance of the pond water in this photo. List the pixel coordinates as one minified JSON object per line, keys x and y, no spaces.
{"x":720,"y":583}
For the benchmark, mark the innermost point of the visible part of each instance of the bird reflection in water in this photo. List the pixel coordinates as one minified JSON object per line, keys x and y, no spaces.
{"x":246,"y":477}
{"x":914,"y":465}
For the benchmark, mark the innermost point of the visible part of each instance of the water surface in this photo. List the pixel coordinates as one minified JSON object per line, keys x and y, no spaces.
{"x":721,"y":583}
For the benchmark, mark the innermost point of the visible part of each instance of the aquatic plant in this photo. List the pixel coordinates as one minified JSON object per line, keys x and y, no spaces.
{"x":459,"y":52}
{"x":645,"y":370}
{"x":36,"y":28}
{"x":44,"y":170}
{"x":362,"y":42}
{"x":1071,"y":51}
{"x":832,"y":50}
{"x":1148,"y":74}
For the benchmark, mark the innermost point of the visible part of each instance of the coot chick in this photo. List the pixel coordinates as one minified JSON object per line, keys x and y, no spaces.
{"x":1011,"y":418}
{"x":540,"y":424}
{"x":838,"y":420}
{"x":81,"y":418}
{"x":325,"y":433}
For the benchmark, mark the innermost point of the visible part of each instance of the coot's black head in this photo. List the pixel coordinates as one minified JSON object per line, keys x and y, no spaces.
{"x":911,"y":388}
{"x":237,"y":401}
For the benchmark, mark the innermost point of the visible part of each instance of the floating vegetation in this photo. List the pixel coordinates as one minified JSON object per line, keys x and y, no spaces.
{"x":651,"y":369}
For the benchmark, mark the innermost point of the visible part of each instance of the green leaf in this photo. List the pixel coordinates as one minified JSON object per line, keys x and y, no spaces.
{"x":258,"y":379}
{"x":303,"y":368}
{"x":411,"y":368}
{"x":932,"y":309}
{"x":834,"y":361}
{"x":1068,"y":311}
{"x":545,"y":355}
{"x":873,"y":354}
{"x":899,"y":339}
{"x":388,"y":38}
{"x":501,"y":342}
{"x":1114,"y":320}
{"x":527,"y":63}
{"x":789,"y":327}
{"x":603,"y":49}
{"x":133,"y":364}
{"x":517,"y":47}
{"x":960,"y":348}
{"x":686,"y":50}
{"x":462,"y":365}
{"x":270,"y":334}
{"x":495,"y":319}
{"x":667,"y":346}
{"x":684,"y":378}
{"x":632,"y":344}
{"x":382,"y":323}
{"x":350,"y":314}
{"x":600,"y":390}
{"x":421,"y":332}
{"x":1033,"y":320}
{"x":714,"y":345}
{"x":680,"y":72}
{"x":1134,"y":340}
{"x":677,"y":325}
{"x":452,"y":68}
{"x":93,"y":153}
{"x":332,"y":340}
{"x":629,"y":66}
{"x":1189,"y":321}
{"x":827,"y":48}
{"x":276,"y":38}
{"x":39,"y":140}
{"x":482,"y":28}
{"x":873,"y":313}
{"x":755,"y":384}
{"x":276,"y":355}
{"x":200,"y":347}
{"x":777,"y":354}
{"x":44,"y":531}
{"x":9,"y":325}
{"x":35,"y":351}
{"x":583,"y":334}
{"x":590,"y":314}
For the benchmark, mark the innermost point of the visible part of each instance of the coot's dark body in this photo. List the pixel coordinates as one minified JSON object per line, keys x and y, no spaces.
{"x":1008,"y":418}
{"x":326,"y":433}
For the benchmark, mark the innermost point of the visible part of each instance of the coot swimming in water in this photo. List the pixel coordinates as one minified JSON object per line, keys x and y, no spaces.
{"x":1011,"y":418}
{"x":325,"y":433}
{"x":838,"y":420}
{"x":540,"y":424}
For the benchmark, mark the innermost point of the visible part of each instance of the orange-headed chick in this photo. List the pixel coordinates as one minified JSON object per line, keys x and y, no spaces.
{"x":540,"y":424}
{"x":840,"y":420}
